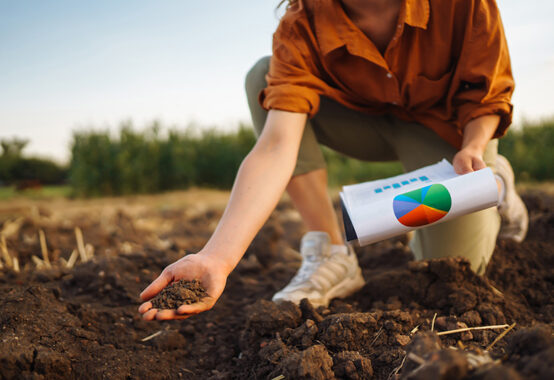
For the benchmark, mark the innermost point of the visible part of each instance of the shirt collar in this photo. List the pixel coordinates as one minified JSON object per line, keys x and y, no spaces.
{"x":334,"y":30}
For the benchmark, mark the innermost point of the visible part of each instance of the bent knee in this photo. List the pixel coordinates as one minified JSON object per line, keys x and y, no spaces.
{"x":471,"y":236}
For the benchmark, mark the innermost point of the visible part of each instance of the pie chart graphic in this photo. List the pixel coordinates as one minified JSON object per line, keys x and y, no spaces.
{"x":422,"y":206}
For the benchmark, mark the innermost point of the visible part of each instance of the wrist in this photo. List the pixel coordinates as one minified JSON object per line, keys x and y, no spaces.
{"x":474,"y":148}
{"x":478,"y":132}
{"x":218,"y":261}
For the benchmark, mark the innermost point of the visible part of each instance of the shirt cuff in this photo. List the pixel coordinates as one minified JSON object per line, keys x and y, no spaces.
{"x":470,"y":111}
{"x":290,"y":98}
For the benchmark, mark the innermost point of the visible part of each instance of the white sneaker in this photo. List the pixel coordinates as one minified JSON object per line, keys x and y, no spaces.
{"x":515,"y":219}
{"x":324,"y":275}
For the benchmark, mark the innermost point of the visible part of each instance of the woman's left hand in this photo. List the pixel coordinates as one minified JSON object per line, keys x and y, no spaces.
{"x":468,"y":160}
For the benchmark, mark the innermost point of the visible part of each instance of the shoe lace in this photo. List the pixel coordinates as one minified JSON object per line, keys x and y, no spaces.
{"x":318,"y":269}
{"x":310,"y":262}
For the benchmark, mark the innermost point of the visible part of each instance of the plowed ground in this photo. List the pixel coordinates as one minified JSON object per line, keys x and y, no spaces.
{"x":82,"y":322}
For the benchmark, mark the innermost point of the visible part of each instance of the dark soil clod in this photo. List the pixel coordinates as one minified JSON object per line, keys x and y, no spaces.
{"x":179,"y":293}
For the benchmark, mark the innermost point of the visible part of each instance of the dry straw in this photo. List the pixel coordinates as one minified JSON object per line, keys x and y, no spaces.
{"x":433,"y":322}
{"x":151,"y":336}
{"x":473,"y":328}
{"x":11,"y":228}
{"x":16,"y":264}
{"x":5,"y":254}
{"x":44,"y":249}
{"x":81,"y":244}
{"x":500,"y":336}
{"x":72,"y":259}
{"x":89,"y":250}
{"x":376,"y":337}
{"x":11,"y":262}
{"x":38,"y":262}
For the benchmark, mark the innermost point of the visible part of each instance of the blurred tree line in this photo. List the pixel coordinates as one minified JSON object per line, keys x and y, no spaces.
{"x":530,"y":150}
{"x":15,"y":169}
{"x":150,"y":160}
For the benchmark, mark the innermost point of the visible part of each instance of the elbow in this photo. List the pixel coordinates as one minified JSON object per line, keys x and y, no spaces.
{"x":271,"y":156}
{"x":277,"y":147}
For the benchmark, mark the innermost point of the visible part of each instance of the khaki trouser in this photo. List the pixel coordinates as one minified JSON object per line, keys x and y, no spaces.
{"x":386,"y":138}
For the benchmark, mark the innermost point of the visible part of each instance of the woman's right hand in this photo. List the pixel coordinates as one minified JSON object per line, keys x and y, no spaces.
{"x":260,"y":182}
{"x":210,"y":273}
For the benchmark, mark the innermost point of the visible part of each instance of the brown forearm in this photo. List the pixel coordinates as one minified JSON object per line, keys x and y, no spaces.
{"x":479,"y":131}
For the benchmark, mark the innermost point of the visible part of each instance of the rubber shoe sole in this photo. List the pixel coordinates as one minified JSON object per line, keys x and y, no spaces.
{"x":343,"y":289}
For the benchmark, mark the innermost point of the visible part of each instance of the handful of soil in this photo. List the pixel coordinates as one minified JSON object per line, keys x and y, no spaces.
{"x":179,"y":293}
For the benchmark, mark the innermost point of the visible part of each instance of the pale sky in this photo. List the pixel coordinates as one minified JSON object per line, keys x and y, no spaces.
{"x":66,"y":64}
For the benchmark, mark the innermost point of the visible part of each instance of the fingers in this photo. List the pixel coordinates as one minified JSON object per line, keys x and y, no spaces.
{"x":466,"y":163}
{"x":184,"y":312}
{"x":479,"y":164}
{"x":165,"y":315}
{"x":198,"y":307}
{"x":150,"y":315}
{"x":463,"y":165}
{"x":145,"y":307}
{"x":156,"y":286}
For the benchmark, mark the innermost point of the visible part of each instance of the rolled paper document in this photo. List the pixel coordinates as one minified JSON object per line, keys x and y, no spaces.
{"x":377,"y":210}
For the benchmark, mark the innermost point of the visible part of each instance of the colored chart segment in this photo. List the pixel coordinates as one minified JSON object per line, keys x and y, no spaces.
{"x":422,"y":206}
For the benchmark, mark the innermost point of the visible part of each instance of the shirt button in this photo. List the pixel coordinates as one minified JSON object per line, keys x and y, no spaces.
{"x":394,"y":103}
{"x":389,"y":75}
{"x":399,"y":26}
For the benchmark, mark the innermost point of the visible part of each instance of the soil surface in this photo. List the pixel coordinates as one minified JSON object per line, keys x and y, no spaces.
{"x":82,"y":321}
{"x":179,"y":293}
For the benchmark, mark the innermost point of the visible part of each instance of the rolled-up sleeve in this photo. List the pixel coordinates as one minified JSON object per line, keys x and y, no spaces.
{"x":485,"y":82}
{"x":293,"y":82}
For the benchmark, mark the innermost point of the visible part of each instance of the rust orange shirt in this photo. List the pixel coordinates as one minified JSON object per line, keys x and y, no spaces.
{"x":447,"y":64}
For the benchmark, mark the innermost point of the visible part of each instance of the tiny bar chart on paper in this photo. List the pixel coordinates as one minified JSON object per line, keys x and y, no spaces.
{"x":377,"y":210}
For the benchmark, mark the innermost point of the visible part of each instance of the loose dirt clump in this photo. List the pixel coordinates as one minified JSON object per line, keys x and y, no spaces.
{"x":179,"y":293}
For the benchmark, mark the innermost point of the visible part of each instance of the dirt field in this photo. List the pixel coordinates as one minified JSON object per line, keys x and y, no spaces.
{"x":81,"y":322}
